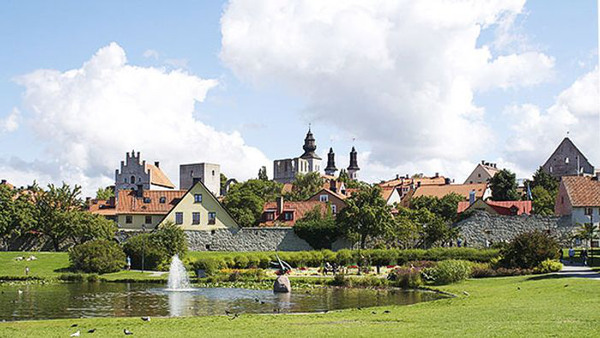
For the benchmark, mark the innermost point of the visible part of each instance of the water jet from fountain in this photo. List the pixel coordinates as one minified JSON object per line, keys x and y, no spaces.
{"x":178,"y":277}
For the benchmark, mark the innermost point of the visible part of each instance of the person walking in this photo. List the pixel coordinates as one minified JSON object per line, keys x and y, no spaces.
{"x":26,"y":271}
{"x":128,"y":263}
{"x":571,"y":254}
{"x":584,"y":256}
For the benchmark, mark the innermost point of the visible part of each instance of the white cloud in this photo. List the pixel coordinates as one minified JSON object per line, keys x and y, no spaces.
{"x":11,"y":122}
{"x":90,"y":116}
{"x":400,"y":75}
{"x":537,"y":132}
{"x":151,"y":53}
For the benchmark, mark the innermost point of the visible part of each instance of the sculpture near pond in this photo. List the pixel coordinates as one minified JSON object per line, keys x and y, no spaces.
{"x":282,"y":283}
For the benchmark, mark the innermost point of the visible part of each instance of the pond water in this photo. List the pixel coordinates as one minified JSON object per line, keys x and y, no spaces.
{"x":74,"y":300}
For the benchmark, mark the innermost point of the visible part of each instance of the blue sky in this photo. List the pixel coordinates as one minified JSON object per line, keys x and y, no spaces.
{"x":268,"y":90}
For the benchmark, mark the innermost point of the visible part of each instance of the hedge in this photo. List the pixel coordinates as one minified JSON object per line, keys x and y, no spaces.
{"x":316,"y":258}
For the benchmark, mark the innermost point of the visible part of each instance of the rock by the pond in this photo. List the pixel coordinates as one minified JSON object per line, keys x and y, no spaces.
{"x":282,"y":284}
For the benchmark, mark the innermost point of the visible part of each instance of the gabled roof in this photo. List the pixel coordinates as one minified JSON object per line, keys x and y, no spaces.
{"x":443,"y":190}
{"x":501,"y":207}
{"x":436,"y":180}
{"x":158,"y":177}
{"x":300,"y":208}
{"x":386,"y":192}
{"x":565,"y":142}
{"x":582,"y":191}
{"x":129,"y":203}
{"x":332,"y":193}
{"x":103,"y":207}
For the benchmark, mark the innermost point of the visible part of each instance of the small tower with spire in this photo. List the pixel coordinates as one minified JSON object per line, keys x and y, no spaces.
{"x":330,"y":169}
{"x":353,"y":167}
{"x":310,"y":146}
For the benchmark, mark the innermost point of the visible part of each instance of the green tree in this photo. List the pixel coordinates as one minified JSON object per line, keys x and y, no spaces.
{"x":305,"y":186}
{"x":262,"y":174}
{"x":105,"y":194}
{"x":366,"y":215}
{"x":543,"y":201}
{"x":529,"y":249}
{"x":404,"y":233}
{"x":587,"y":232}
{"x":172,"y":238}
{"x":223,"y":182}
{"x":445,"y":207}
{"x":544,"y":180}
{"x":504,"y":186}
{"x":429,"y":229}
{"x":16,"y":213}
{"x":319,"y":230}
{"x":245,"y":201}
{"x":85,"y":226}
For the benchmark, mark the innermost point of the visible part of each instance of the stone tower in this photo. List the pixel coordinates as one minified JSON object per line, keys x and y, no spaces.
{"x":353,"y":167}
{"x":330,"y":169}
{"x":314,"y":161}
{"x":207,"y":173}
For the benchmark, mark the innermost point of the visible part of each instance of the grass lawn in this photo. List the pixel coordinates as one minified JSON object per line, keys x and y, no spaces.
{"x":543,"y":305}
{"x":47,"y":264}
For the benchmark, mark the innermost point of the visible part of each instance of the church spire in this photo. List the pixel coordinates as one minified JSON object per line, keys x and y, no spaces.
{"x":310,"y":146}
{"x":353,"y":167}
{"x":330,"y":169}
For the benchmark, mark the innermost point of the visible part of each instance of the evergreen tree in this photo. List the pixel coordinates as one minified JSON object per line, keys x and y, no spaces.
{"x":262,"y":174}
{"x":504,"y":186}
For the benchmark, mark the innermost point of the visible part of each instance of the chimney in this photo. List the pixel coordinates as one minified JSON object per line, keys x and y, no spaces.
{"x":437,"y":175}
{"x":447,"y":180}
{"x":140,"y":190}
{"x":418,"y":184}
{"x":397,"y":176}
{"x":3,"y":181}
{"x":482,"y":162}
{"x":332,"y":185}
{"x":406,"y":176}
{"x":471,"y":197}
{"x":280,"y":205}
{"x":156,"y":164}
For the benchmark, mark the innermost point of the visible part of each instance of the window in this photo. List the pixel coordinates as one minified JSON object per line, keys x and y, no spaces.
{"x":197,"y":198}
{"x":212,"y":217}
{"x":333,"y":209}
{"x":148,"y":220}
{"x":566,"y":160}
{"x":147,"y":200}
{"x":195,"y":218}
{"x":588,"y":211}
{"x":288,"y":215}
{"x":269,"y":216}
{"x":213,"y":173}
{"x":179,"y":218}
{"x":478,"y":175}
{"x":132,"y":180}
{"x":324,"y":198}
{"x":128,"y":219}
{"x":207,"y":246}
{"x":162,"y":200}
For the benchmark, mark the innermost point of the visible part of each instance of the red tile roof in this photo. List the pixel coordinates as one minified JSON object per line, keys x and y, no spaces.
{"x":103,"y":207}
{"x":443,"y":190}
{"x":299,"y":208}
{"x":129,"y":203}
{"x":582,"y":191}
{"x":158,"y":177}
{"x":502,"y":207}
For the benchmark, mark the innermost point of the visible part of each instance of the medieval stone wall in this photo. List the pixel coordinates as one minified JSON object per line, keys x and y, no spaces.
{"x":482,"y":228}
{"x":246,"y":239}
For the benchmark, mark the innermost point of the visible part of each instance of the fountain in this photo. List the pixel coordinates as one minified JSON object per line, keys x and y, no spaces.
{"x":178,"y":277}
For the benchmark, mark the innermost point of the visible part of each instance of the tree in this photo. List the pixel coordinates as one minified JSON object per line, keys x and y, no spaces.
{"x":318,"y":229}
{"x":445,"y":207}
{"x":245,"y":201}
{"x":262,"y":174}
{"x":504,"y":186}
{"x":529,"y":249}
{"x":105,"y":194}
{"x":587,"y":232}
{"x":305,"y":186}
{"x":428,"y":228}
{"x":366,"y":215}
{"x":543,"y":201}
{"x":85,"y":226}
{"x":223,"y":183}
{"x":16,"y":213}
{"x":544,"y":180}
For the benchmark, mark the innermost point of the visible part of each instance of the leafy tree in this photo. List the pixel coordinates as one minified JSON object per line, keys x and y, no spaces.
{"x":343,"y":177}
{"x":172,"y":238}
{"x":262,"y":174}
{"x":16,"y":213}
{"x":504,"y":186}
{"x":85,"y":226}
{"x":587,"y":232}
{"x":105,"y":194}
{"x":544,"y":180}
{"x":319,"y":230}
{"x":404,"y":233}
{"x":529,"y":249}
{"x":349,"y":183}
{"x":543,"y":201}
{"x":445,"y":207}
{"x":305,"y":186}
{"x":366,"y":215}
{"x":428,"y":228}
{"x":98,"y":256}
{"x":223,"y":182}
{"x":245,"y":201}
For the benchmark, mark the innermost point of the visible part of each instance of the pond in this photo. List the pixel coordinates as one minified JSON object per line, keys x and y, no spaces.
{"x":74,"y":300}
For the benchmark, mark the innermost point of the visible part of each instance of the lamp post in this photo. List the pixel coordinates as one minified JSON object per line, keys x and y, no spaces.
{"x":143,"y":245}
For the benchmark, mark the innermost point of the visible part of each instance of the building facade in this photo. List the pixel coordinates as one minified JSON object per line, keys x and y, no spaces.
{"x":286,"y":170}
{"x":136,"y":174}
{"x":482,"y":173}
{"x":579,"y":198}
{"x":567,"y":160}
{"x":207,"y":173}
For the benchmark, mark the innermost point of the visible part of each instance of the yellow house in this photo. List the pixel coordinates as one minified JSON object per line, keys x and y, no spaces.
{"x":199,"y":209}
{"x":145,"y":209}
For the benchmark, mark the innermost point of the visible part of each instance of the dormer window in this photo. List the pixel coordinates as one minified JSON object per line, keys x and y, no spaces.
{"x":324,"y":198}
{"x":288,"y":215}
{"x":147,"y":200}
{"x":269,"y":216}
{"x":162,"y":200}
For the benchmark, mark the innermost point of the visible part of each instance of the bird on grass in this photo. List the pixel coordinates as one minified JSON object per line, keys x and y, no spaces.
{"x":74,"y":325}
{"x":234,"y":316}
{"x":227,"y":312}
{"x":91,"y":330}
{"x":374,"y":312}
{"x":359,"y":308}
{"x":257,"y":300}
{"x":146,"y":319}
{"x":76,"y":334}
{"x":518,"y":288}
{"x":566,"y":285}
{"x":466,"y":293}
{"x":127,"y":332}
{"x":386,"y":311}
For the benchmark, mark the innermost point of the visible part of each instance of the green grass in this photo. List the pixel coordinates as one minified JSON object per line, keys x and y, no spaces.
{"x":510,"y":306}
{"x":125,"y":276}
{"x":47,"y":265}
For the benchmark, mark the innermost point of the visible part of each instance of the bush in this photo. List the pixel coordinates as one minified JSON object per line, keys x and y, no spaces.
{"x":450,"y":271}
{"x":143,"y":245}
{"x":172,"y":238}
{"x":211,"y":266}
{"x":406,"y":278}
{"x":548,"y":266}
{"x":99,"y":256}
{"x":530,"y":249}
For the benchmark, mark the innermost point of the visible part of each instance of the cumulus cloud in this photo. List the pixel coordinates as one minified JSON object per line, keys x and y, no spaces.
{"x":11,"y":122}
{"x":536,"y":132}
{"x":90,"y":116}
{"x":151,"y":53}
{"x":400,"y":75}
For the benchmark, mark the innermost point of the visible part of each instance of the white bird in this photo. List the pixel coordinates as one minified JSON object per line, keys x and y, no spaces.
{"x":146,"y":319}
{"x":127,"y":332}
{"x":76,"y":334}
{"x":20,"y":292}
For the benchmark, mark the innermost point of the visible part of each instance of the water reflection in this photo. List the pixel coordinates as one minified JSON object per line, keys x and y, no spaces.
{"x":123,"y":299}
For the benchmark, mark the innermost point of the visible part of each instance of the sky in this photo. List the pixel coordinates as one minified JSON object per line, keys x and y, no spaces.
{"x":416,"y":86}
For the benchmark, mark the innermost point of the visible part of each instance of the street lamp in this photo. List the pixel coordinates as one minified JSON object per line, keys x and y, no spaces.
{"x":143,"y":245}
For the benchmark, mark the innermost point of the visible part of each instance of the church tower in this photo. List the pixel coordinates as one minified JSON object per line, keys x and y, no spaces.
{"x":353,"y":167}
{"x":310,"y":145}
{"x":330,"y":169}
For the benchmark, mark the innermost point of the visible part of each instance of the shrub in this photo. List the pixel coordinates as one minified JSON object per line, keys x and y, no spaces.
{"x":143,"y":245}
{"x":211,"y":266}
{"x":344,"y":257}
{"x":548,"y":266}
{"x":99,"y":256}
{"x":241,"y":262}
{"x":406,"y":278}
{"x":449,"y":271}
{"x":529,"y":249}
{"x":172,"y":238}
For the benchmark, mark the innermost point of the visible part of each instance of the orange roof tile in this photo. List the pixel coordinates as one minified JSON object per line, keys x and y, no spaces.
{"x":129,"y":203}
{"x":439,"y":180}
{"x":158,"y":177}
{"x":386,"y":192}
{"x":502,"y":207}
{"x":287,"y":188}
{"x":299,"y":208}
{"x":5,"y":183}
{"x":582,"y":191}
{"x":338,"y":195}
{"x":443,"y":190}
